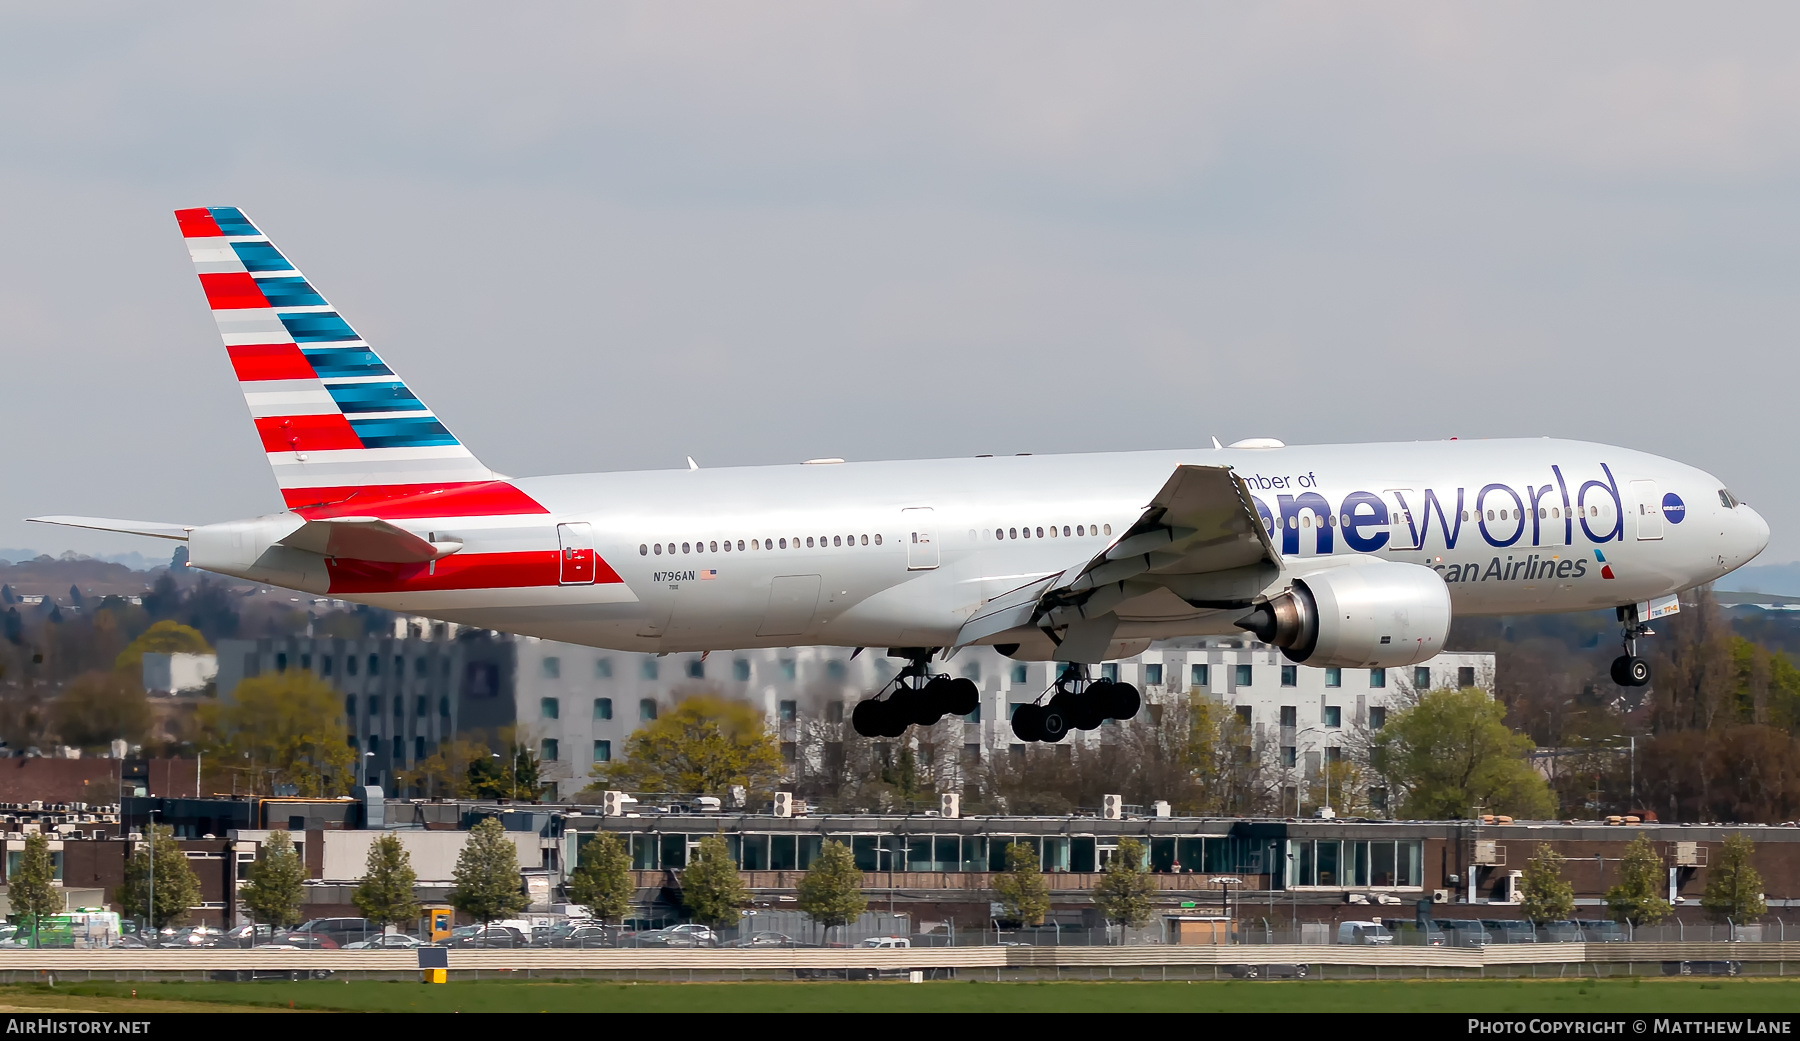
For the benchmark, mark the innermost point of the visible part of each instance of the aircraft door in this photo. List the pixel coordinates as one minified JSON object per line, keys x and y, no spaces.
{"x":577,"y":554}
{"x":921,"y":539}
{"x":1406,"y":522}
{"x":1649,"y":510}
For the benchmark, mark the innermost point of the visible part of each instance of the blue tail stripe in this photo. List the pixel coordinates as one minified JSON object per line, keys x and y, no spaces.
{"x":318,"y":327}
{"x":409,"y":432}
{"x":231,"y":221}
{"x":375,"y":397}
{"x":337,"y":362}
{"x":260,"y":256}
{"x":290,"y":292}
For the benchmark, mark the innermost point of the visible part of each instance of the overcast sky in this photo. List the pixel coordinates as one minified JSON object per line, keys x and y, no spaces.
{"x":611,"y":235}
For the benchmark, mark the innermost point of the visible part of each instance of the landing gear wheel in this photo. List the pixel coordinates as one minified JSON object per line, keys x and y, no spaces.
{"x":897,"y":714}
{"x":1086,"y":711}
{"x":866,"y":719}
{"x":1125,"y":701}
{"x":1630,"y":671}
{"x":931,"y":702}
{"x":964,"y":697}
{"x":1025,"y":723}
{"x":1053,"y":723}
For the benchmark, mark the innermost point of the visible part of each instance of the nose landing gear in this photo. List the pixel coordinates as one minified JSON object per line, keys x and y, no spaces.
{"x":1076,"y":703}
{"x":1629,"y":670}
{"x":917,"y":698}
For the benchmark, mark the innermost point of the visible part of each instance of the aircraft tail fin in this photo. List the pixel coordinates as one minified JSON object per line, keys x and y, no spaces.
{"x":338,"y":425}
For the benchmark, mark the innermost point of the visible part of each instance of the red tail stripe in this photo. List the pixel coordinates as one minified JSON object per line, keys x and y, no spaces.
{"x":413,"y":501}
{"x":232,"y":290}
{"x":197,"y":224}
{"x":306,"y":433}
{"x":269,"y":361}
{"x":461,"y":571}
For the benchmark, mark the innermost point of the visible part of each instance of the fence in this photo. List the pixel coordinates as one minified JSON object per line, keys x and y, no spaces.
{"x":1148,"y":961}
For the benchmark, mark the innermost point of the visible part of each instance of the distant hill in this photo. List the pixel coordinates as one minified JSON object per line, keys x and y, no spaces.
{"x":53,"y":577}
{"x":1781,"y":579}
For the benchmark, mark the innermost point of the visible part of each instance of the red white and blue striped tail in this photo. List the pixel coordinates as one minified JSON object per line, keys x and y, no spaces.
{"x":341,"y":429}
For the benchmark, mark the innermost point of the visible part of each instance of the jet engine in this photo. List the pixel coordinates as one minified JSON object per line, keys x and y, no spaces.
{"x":1374,"y":615}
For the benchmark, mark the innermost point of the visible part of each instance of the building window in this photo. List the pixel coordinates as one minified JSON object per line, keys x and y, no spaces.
{"x":1334,"y":676}
{"x":374,"y":704}
{"x":648,"y":668}
{"x":975,"y":716}
{"x":602,"y":708}
{"x":1377,"y":678}
{"x":374,"y":664}
{"x":1333,"y":754}
{"x":350,"y":705}
{"x":835,"y":670}
{"x":418,"y":748}
{"x":399,"y":706}
{"x":1290,"y":717}
{"x":1243,"y":714}
{"x":281,"y":662}
{"x":550,"y":708}
{"x":1289,"y":756}
{"x":834,"y":712}
{"x":1197,"y":675}
{"x":444,"y":706}
{"x":972,"y":672}
{"x":1377,"y":718}
{"x":790,"y":752}
{"x":1421,"y":678}
{"x":1021,"y":674}
{"x":1334,"y":716}
{"x":602,"y":751}
{"x":325,"y":665}
{"x":696,"y":669}
{"x":972,"y":754}
{"x":1290,"y":675}
{"x":647,"y":709}
{"x":547,"y":750}
{"x":552,"y":668}
{"x":399,"y":748}
{"x":1465,"y":677}
{"x":603,"y":668}
{"x":1243,"y":675}
{"x":1110,"y":672}
{"x":1153,"y":675}
{"x":353,"y":743}
{"x":420,"y":668}
{"x":421,"y":705}
{"x":740,"y":670}
{"x":1378,"y":799}
{"x":349,"y":664}
{"x":787,"y":711}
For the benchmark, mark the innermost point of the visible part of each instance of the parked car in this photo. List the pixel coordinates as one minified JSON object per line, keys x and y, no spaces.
{"x":1601,"y":930}
{"x":486,"y":938}
{"x":247,"y":936}
{"x":677,"y":936}
{"x":195,"y":937}
{"x":339,"y":931}
{"x":1561,"y":932}
{"x":1509,"y":930}
{"x":766,"y":940}
{"x":884,"y":942}
{"x":384,"y":942}
{"x":1369,"y":934}
{"x":1702,"y":968}
{"x":1408,"y":933}
{"x":1463,"y":932}
{"x":1277,"y":971}
{"x":582,"y":936}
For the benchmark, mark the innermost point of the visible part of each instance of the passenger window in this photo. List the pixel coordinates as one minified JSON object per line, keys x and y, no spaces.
{"x":643,"y":550}
{"x":684,"y":547}
{"x":1108,"y":530}
{"x":783,"y":543}
{"x":1012,"y":533}
{"x":1065,"y":531}
{"x":865,"y":539}
{"x":728,"y":546}
{"x":714,"y":546}
{"x":837,"y":540}
{"x":659,"y":549}
{"x":878,"y":540}
{"x":809,"y":542}
{"x":1081,"y":529}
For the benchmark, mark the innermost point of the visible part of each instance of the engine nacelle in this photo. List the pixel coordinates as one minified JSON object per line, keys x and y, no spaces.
{"x":1367,"y":616}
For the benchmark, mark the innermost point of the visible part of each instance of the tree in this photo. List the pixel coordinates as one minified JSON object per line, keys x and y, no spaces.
{"x":1126,"y":890}
{"x":602,"y":878}
{"x":704,"y":745}
{"x":385,"y":896}
{"x":177,"y":888}
{"x":273,"y":894}
{"x":830,"y":893}
{"x":1021,"y":887}
{"x":1451,"y":752}
{"x":98,"y":707}
{"x":487,"y":875}
{"x":446,"y":773}
{"x":513,"y":773}
{"x":288,"y":728}
{"x":1734,"y":890}
{"x":165,"y":637}
{"x":31,"y":888}
{"x":711,"y":890}
{"x":1545,"y":895}
{"x":1641,"y":874}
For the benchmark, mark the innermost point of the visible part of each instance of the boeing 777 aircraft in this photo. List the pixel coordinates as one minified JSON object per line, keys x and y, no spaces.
{"x":1346,"y":555}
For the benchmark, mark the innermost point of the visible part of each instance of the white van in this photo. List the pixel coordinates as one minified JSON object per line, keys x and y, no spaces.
{"x":886,"y":941}
{"x":1369,"y":934}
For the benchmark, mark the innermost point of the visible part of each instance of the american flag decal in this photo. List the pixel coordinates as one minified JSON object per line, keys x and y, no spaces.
{"x":708,"y":575}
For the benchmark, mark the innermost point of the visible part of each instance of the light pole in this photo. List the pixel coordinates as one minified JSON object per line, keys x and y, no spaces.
{"x":364,"y":763}
{"x":1324,"y":765}
{"x":150,"y":902}
{"x":1225,"y":885}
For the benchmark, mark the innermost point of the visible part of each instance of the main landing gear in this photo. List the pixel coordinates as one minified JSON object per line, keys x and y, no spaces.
{"x":1076,"y":704}
{"x":1629,"y":670}
{"x":918,"y":698}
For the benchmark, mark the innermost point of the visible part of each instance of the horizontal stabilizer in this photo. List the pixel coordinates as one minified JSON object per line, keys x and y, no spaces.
{"x":154,"y":529}
{"x":366,"y":538}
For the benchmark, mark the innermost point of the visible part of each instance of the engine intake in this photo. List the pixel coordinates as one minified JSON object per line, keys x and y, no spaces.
{"x":1370,"y":616}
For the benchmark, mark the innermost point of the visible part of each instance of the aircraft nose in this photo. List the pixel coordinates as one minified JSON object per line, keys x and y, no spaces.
{"x":1755,"y":532}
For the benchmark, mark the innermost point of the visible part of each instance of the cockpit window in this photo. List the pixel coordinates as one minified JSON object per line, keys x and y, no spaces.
{"x":1727,"y":499}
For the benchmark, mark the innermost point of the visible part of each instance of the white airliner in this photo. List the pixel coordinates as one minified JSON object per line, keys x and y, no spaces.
{"x":1347,"y":555}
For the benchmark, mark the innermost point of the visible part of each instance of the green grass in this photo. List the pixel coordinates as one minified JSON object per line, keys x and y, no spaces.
{"x":1619,"y":995}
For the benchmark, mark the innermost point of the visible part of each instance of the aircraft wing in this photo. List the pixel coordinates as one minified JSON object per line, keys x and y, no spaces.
{"x":1199,"y":539}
